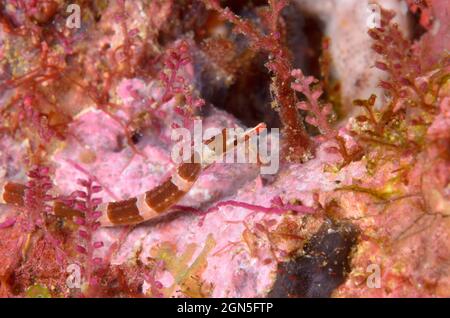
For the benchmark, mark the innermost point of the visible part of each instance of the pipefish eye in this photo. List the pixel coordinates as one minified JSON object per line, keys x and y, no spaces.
{"x":136,"y":137}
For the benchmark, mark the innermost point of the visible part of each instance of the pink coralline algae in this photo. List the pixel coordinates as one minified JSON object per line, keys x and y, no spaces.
{"x":358,"y":207}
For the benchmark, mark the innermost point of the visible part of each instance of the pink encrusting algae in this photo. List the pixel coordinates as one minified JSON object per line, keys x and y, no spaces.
{"x":87,"y":117}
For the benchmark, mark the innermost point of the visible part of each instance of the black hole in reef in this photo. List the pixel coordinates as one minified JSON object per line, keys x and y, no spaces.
{"x":417,"y":30}
{"x":238,"y":6}
{"x":323,"y":265}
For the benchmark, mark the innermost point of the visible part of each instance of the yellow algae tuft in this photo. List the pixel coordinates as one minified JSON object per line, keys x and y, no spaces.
{"x":383,"y":194}
{"x":38,"y":291}
{"x":186,"y":277}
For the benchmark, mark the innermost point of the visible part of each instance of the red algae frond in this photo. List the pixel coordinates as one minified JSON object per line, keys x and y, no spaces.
{"x":86,"y":201}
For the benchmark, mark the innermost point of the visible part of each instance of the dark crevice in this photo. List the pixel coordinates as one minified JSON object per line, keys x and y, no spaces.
{"x":417,"y":30}
{"x":247,"y":98}
{"x":304,"y":35}
{"x":238,"y":6}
